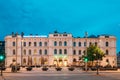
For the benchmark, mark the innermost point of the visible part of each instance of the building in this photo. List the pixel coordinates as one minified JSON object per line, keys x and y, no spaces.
{"x":56,"y":49}
{"x":118,"y":59}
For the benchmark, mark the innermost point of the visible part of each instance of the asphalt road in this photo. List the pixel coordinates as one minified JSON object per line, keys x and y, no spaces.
{"x":52,"y":74}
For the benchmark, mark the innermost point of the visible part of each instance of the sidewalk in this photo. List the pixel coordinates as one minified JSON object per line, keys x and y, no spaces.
{"x":2,"y":78}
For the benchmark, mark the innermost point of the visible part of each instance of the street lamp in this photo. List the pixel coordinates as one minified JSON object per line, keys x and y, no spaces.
{"x":21,"y":52}
{"x":16,"y":35}
{"x":86,"y":34}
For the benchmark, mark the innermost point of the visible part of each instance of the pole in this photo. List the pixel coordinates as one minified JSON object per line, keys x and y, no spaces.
{"x":86,"y":67}
{"x":21,"y":52}
{"x":97,"y":66}
{"x":16,"y":54}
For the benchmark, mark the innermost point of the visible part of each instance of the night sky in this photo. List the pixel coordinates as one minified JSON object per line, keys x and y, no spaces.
{"x":72,"y":16}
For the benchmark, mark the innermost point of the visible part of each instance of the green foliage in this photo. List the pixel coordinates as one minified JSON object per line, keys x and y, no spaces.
{"x":94,"y":53}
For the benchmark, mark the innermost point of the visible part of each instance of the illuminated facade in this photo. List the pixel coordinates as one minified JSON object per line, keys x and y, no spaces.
{"x":58,"y":49}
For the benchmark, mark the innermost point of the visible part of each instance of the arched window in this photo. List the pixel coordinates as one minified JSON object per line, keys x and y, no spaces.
{"x":29,"y":52}
{"x":65,"y":43}
{"x":40,"y":43}
{"x":74,"y":44}
{"x":107,"y":52}
{"x":55,"y":43}
{"x":24,"y":44}
{"x":35,"y":44}
{"x":60,"y":43}
{"x":45,"y":44}
{"x":55,"y":51}
{"x":35,"y":51}
{"x":96,"y":44}
{"x":40,"y":52}
{"x":74,"y":52}
{"x":79,"y":44}
{"x":74,"y":60}
{"x":13,"y":43}
{"x":29,"y":43}
{"x":90,"y":43}
{"x":45,"y":52}
{"x":84,"y":43}
{"x":79,"y":52}
{"x":60,"y":51}
{"x":13,"y":51}
{"x":65,"y":51}
{"x":24,"y":52}
{"x":107,"y":44}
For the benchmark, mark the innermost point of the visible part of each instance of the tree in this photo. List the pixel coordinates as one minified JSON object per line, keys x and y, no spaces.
{"x":94,"y":53}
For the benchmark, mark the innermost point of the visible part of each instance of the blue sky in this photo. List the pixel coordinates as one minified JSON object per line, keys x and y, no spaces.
{"x":73,"y":16}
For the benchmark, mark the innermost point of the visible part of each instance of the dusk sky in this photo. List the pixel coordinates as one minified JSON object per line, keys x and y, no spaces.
{"x":72,"y":16}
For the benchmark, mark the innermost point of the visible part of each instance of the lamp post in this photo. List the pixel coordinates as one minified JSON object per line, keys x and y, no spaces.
{"x":16,"y":35}
{"x":21,"y":52}
{"x":86,"y":51}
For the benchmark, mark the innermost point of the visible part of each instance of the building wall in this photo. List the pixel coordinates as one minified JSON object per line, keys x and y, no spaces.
{"x":23,"y":54}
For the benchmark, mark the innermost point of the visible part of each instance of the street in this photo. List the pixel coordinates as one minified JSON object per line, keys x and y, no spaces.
{"x":52,"y":74}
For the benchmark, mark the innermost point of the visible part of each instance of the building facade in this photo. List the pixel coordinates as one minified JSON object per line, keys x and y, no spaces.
{"x":58,"y":49}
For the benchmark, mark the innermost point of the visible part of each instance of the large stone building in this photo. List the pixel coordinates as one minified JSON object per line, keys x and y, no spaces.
{"x":56,"y":49}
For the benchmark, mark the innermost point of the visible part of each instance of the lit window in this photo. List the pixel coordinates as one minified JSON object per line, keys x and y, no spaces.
{"x":24,"y":52}
{"x":35,"y":51}
{"x":29,"y":52}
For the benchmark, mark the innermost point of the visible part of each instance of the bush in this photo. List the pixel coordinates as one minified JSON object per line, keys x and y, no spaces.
{"x":29,"y":68}
{"x":71,"y":68}
{"x":44,"y":68}
{"x":58,"y":68}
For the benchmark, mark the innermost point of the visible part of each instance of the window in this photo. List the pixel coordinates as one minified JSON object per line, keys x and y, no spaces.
{"x":35,"y":51}
{"x":45,"y":44}
{"x":79,"y":52}
{"x":13,"y":51}
{"x":24,"y":52}
{"x":60,"y":51}
{"x":55,"y":51}
{"x":60,"y":43}
{"x":96,"y":44}
{"x":29,"y":43}
{"x":90,"y":43}
{"x":29,"y":52}
{"x":74,"y":44}
{"x":107,"y":60}
{"x":65,"y":43}
{"x":13,"y":43}
{"x":107,"y":52}
{"x":45,"y":51}
{"x":85,"y":44}
{"x":24,"y":44}
{"x":84,"y":52}
{"x":40,"y":43}
{"x":74,"y":52}
{"x":35,"y":44}
{"x":79,"y":44}
{"x":55,"y":43}
{"x":40,"y":52}
{"x":65,"y":51}
{"x":107,"y":44}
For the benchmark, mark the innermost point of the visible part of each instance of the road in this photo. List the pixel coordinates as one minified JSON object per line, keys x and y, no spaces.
{"x":52,"y":74}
